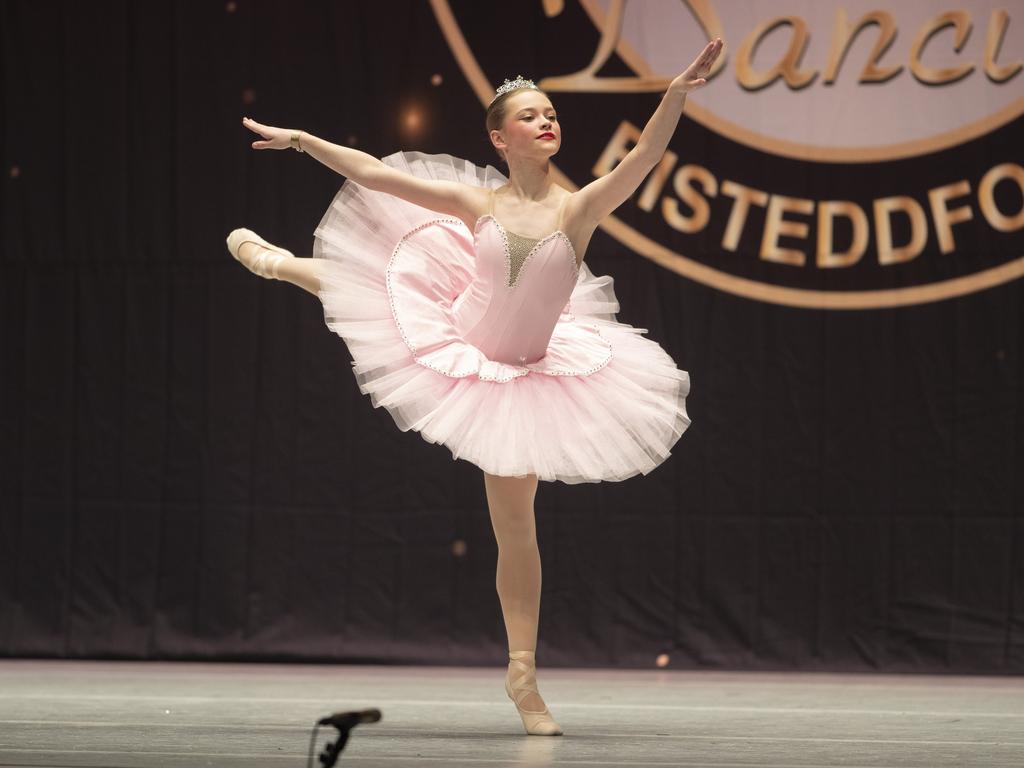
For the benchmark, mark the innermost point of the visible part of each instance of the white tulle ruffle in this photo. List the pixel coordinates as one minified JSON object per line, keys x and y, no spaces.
{"x":604,"y":403}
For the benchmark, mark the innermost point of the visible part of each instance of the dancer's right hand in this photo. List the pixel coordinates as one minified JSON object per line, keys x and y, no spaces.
{"x":275,"y":138}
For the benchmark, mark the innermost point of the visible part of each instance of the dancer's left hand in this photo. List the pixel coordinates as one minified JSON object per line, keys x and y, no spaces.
{"x":696,"y":74}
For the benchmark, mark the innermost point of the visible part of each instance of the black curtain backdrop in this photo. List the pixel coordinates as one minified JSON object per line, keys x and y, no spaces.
{"x":189,"y":469}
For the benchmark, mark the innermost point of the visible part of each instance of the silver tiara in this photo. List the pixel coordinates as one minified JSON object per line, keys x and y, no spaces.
{"x":511,"y":85}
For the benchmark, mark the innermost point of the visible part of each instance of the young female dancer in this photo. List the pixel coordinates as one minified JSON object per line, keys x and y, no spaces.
{"x":482,"y":328}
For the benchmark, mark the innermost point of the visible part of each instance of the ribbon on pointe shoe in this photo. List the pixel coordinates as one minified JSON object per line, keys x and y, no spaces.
{"x":266,"y":262}
{"x":537,"y":723}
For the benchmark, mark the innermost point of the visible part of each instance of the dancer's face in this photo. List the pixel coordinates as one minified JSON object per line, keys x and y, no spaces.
{"x":530,"y":115}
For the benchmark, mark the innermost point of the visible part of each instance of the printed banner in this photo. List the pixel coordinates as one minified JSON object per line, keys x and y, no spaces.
{"x":845,"y":155}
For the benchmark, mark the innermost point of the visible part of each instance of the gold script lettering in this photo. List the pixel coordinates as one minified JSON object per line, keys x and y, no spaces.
{"x":961,"y":22}
{"x":842,"y":37}
{"x":788,"y":68}
{"x":997,"y":23}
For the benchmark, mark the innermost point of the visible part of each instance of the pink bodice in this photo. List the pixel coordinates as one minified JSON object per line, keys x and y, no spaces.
{"x":509,"y":310}
{"x":483,"y":312}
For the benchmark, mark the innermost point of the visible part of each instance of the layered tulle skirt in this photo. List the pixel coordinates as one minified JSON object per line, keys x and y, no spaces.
{"x":608,"y":424}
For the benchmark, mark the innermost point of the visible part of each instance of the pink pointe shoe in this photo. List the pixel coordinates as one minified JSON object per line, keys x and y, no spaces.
{"x":520,"y":681}
{"x":267,"y":260}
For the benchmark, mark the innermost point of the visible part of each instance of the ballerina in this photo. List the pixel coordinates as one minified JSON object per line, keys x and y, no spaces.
{"x":464,"y":300}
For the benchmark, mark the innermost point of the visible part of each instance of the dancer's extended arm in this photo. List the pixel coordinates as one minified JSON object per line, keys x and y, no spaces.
{"x":602,"y":196}
{"x":448,"y":197}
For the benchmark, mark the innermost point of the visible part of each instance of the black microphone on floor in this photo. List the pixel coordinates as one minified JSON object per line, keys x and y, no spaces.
{"x":347,"y":719}
{"x":344,"y":722}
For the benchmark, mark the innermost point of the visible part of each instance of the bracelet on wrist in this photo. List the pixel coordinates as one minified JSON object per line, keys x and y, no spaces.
{"x":296,"y":144}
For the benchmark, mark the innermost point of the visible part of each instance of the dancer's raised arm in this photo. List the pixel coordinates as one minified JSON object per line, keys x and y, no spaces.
{"x":449,"y":197}
{"x":602,"y":196}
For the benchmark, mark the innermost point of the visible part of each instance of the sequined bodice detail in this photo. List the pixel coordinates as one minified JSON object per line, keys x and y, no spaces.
{"x":519,"y":248}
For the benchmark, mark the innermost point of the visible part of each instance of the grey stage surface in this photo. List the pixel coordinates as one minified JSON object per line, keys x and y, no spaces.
{"x":74,"y":713}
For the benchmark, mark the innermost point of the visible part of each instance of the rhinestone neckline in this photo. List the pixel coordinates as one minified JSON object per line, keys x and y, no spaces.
{"x":508,"y":252}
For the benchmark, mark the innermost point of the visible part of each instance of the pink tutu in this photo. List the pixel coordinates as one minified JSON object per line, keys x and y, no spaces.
{"x":519,"y":375}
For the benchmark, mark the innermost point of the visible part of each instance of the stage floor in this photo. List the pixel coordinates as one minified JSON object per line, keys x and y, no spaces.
{"x":167,"y":714}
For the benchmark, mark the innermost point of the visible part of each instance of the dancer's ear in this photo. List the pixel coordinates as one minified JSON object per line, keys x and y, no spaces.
{"x":499,"y":142}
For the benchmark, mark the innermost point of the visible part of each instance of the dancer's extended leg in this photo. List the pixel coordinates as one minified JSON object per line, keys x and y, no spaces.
{"x":510,"y":500}
{"x":303,"y":272}
{"x":274,"y":262}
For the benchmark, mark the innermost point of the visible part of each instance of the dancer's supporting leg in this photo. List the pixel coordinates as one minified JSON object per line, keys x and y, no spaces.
{"x":510,"y":500}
